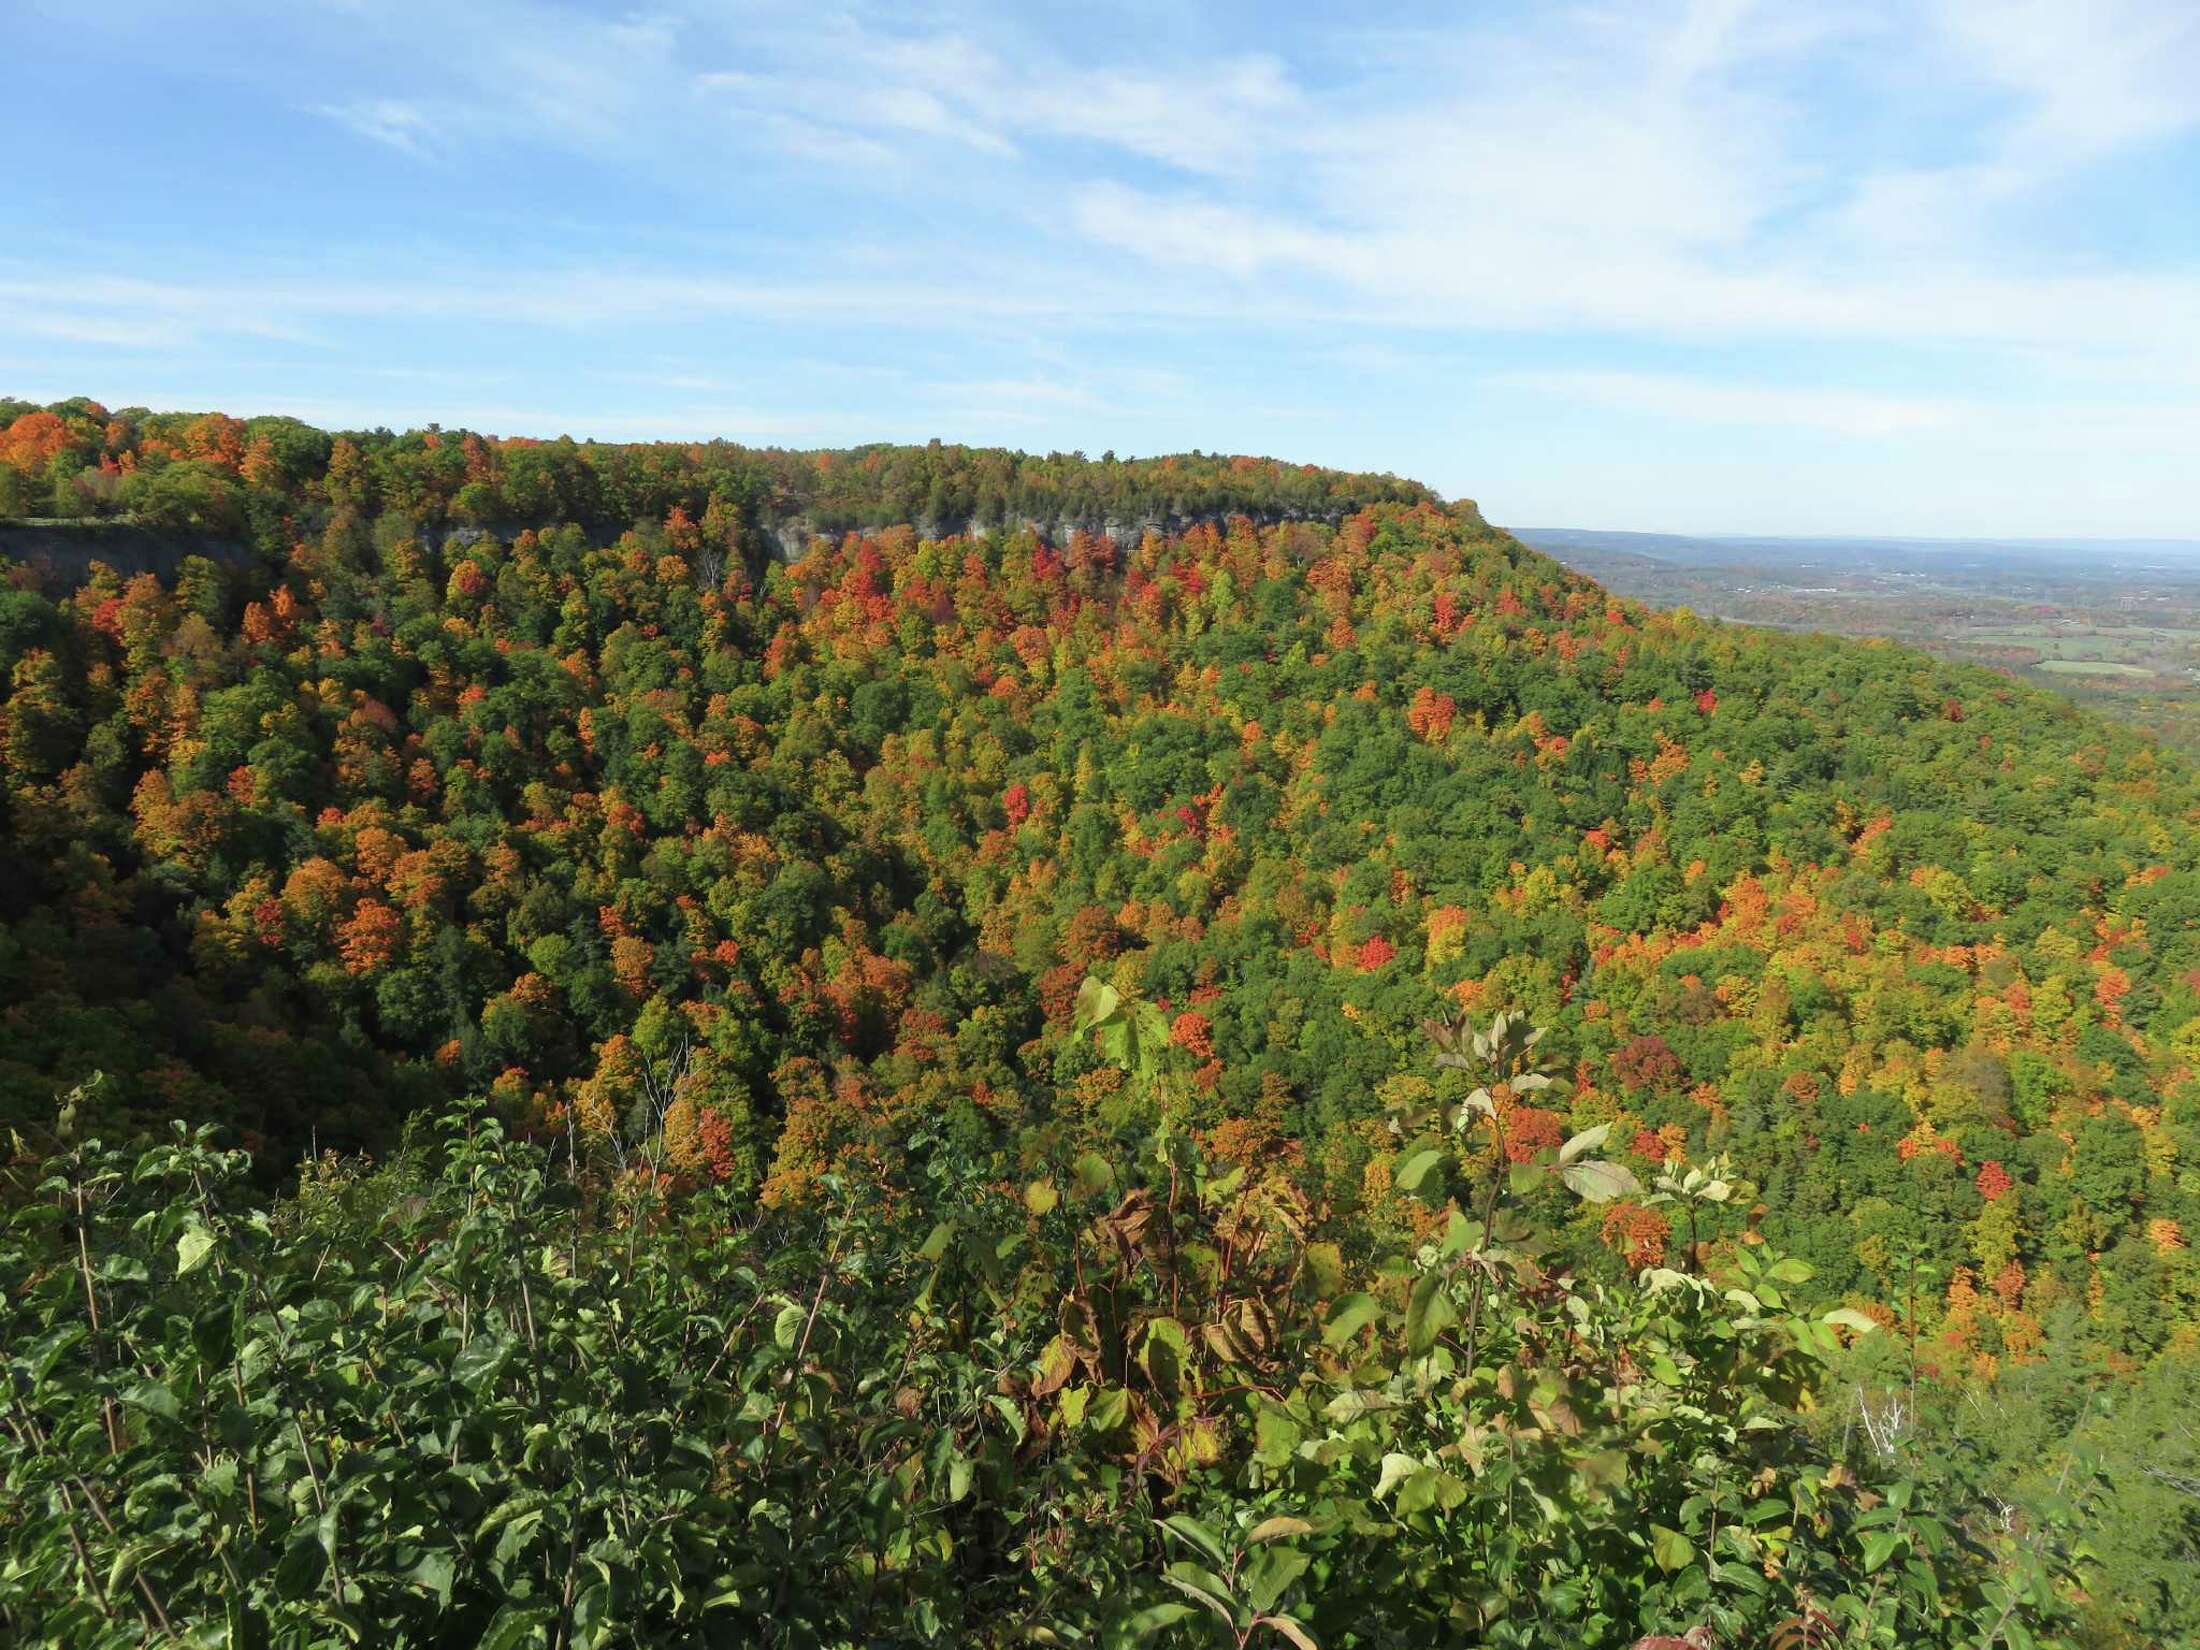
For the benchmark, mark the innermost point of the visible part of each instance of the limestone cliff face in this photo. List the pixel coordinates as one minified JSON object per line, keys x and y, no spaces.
{"x":791,"y":539}
{"x":62,"y":553}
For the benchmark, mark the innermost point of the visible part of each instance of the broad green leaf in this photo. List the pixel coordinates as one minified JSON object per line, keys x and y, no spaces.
{"x":481,"y":1361}
{"x":1671,"y":1549}
{"x":299,"y":1571}
{"x":434,"y":1573}
{"x":1091,"y":1175}
{"x":153,"y":1397}
{"x":1275,"y":1436}
{"x":1396,"y":1469}
{"x":590,"y":1613}
{"x":1205,"y":1586}
{"x":1097,"y":1002}
{"x":1040,"y":1197}
{"x":512,"y":1539}
{"x":1271,"y":1575}
{"x":1849,"y":1318}
{"x":1348,"y":1317}
{"x":1290,"y":1629}
{"x":1072,"y":1405}
{"x":126,"y":1564}
{"x":1604,"y":1470}
{"x":1057,"y":1363}
{"x":1158,"y":1617}
{"x":1414,"y":1172}
{"x":787,"y":1326}
{"x":1880,"y":1545}
{"x":1324,"y":1269}
{"x":1728,"y":1573}
{"x":1275,"y":1529}
{"x":1599,"y":1181}
{"x":50,"y":1351}
{"x":1200,"y":1537}
{"x":514,"y":1626}
{"x":1430,"y":1488}
{"x":1588,"y":1140}
{"x":1429,"y":1312}
{"x":193,"y":1248}
{"x":1460,"y":1235}
{"x":1163,"y":1355}
{"x":1348,"y":1407}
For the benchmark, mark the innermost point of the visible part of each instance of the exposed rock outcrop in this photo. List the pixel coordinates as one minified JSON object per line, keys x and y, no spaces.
{"x":63,"y":552}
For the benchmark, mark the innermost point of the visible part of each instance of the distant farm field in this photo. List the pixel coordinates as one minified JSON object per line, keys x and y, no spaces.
{"x":2090,"y":667}
{"x":2114,"y":629}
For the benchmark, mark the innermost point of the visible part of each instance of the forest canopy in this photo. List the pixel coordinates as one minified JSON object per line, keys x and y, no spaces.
{"x":75,"y":460}
{"x":534,"y":772}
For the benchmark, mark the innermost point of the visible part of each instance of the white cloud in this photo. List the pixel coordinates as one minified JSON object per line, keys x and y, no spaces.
{"x":1670,"y":169}
{"x":810,"y":119}
{"x":2079,"y":84}
{"x":861,"y":82}
{"x":1653,"y":172}
{"x":1216,"y":118}
{"x":1718,"y":213}
{"x":2088,"y":78}
{"x":1671,"y":396}
{"x":2045,"y":428}
{"x":386,"y":120}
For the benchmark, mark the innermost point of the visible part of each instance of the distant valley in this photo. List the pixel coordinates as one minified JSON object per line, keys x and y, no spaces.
{"x":2112,"y":623}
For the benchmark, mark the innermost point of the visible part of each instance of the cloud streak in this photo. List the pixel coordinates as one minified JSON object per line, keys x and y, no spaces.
{"x":1873,"y":223}
{"x":389,"y":121}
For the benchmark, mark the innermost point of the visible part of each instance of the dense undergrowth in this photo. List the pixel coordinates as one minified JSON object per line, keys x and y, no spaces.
{"x":480,"y":1396}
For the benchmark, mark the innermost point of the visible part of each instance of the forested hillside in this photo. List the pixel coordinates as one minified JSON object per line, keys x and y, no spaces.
{"x":530,"y":771}
{"x":207,"y":473}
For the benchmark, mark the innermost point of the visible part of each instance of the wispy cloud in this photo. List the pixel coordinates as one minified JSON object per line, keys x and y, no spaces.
{"x":2086,"y":80}
{"x":2062,"y":435}
{"x":386,"y":120}
{"x":1673,"y":396}
{"x":1638,"y":177}
{"x":1874,"y":225}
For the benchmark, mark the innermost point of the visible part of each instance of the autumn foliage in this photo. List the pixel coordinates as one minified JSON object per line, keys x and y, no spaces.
{"x":462,"y":763}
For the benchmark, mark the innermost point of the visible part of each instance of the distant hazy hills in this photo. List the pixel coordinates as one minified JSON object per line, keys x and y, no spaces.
{"x":2082,"y":557}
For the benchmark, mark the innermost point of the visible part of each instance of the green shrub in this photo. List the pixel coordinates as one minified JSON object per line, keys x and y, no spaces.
{"x":480,"y":1396}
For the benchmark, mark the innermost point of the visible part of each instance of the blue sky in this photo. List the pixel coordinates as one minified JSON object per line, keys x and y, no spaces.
{"x":1819,"y":266}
